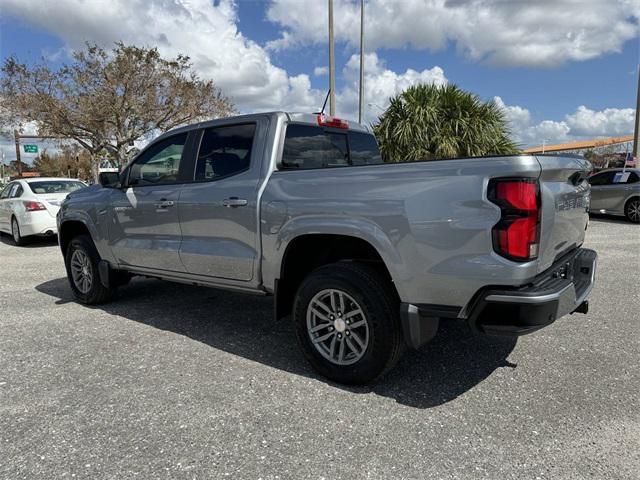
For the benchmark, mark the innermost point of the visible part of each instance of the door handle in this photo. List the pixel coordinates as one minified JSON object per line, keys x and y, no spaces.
{"x":165,"y":204}
{"x":234,"y":202}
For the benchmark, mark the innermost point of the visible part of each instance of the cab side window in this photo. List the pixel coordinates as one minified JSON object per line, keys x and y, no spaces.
{"x":17,"y":193}
{"x":224,"y":151}
{"x":160,"y":163}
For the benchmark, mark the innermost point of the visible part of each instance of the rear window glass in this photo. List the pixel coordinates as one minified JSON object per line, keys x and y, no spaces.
{"x":625,"y":177}
{"x":55,"y":186}
{"x":364,"y":149}
{"x":306,"y":146}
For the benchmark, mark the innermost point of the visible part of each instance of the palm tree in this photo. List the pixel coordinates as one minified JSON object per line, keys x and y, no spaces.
{"x":429,"y":121}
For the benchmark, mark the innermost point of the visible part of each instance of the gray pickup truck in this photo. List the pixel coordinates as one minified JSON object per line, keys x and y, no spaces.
{"x":366,"y":257}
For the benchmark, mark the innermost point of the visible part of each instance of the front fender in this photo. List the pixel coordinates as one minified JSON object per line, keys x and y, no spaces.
{"x":95,"y":221}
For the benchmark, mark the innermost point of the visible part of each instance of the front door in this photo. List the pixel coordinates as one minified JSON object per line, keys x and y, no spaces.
{"x":145,"y":231}
{"x":218,"y":211}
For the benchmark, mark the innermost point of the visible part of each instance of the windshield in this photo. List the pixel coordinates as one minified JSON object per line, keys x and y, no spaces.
{"x":55,"y":186}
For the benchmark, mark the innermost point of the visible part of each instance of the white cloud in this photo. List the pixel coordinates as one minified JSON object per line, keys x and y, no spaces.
{"x":320,"y":71}
{"x":584,"y":123}
{"x":516,"y":32}
{"x":607,"y":122}
{"x":208,"y":33}
{"x":380,"y":84}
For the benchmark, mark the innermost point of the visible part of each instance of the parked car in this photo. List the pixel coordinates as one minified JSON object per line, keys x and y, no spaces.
{"x":29,"y":206}
{"x":366,"y":256}
{"x":616,"y":192}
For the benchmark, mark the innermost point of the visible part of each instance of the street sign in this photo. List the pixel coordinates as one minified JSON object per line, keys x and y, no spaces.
{"x":30,"y":148}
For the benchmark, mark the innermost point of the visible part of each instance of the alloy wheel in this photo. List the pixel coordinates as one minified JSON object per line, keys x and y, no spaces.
{"x":81,"y":271}
{"x":337,"y":326}
{"x":633,"y":211}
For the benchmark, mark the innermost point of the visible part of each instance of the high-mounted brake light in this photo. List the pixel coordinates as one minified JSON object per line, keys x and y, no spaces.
{"x":517,"y":235}
{"x":325,"y":121}
{"x":31,"y":206}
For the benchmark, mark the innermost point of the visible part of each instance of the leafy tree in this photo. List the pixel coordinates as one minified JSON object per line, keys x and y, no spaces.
{"x":71,"y":160}
{"x":106,"y":100}
{"x":427,"y":121}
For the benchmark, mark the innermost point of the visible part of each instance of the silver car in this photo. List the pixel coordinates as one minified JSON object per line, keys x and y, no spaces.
{"x":616,"y":192}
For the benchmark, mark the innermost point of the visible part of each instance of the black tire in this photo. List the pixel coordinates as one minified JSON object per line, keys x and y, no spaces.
{"x":376,"y":297}
{"x":632,"y":210}
{"x":96,"y":293}
{"x":17,"y":237}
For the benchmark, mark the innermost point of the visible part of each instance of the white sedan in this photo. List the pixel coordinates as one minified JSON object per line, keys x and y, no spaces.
{"x":29,"y":206}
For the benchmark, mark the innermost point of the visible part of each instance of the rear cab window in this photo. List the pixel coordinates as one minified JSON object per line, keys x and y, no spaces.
{"x":310,"y":147}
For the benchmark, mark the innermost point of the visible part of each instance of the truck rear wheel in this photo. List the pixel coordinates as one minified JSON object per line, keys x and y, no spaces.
{"x":347,"y":322}
{"x":81,"y":261}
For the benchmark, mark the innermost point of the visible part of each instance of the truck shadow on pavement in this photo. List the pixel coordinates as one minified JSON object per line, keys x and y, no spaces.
{"x":453,"y":363}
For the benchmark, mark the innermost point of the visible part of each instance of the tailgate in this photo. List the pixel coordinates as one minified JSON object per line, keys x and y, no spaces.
{"x":565,"y":203}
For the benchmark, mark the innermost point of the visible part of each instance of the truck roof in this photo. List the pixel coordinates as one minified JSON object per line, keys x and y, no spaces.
{"x":297,"y":117}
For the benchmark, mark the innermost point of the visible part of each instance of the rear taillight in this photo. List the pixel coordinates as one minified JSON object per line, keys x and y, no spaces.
{"x":33,"y":206}
{"x":517,"y":235}
{"x":325,"y":121}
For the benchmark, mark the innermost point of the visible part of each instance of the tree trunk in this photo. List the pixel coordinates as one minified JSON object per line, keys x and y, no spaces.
{"x":95,"y":167}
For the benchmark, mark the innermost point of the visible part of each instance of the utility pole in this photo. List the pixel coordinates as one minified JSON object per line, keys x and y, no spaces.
{"x":332,"y":66}
{"x":16,"y":135}
{"x":361,"y":96}
{"x":636,"y":132}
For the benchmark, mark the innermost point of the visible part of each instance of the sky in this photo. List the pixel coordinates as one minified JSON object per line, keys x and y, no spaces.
{"x":561,"y":70}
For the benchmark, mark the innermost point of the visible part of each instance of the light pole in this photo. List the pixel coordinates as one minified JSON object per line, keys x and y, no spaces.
{"x":332,"y":67}
{"x":636,"y":131}
{"x":544,"y":140}
{"x":361,"y":95}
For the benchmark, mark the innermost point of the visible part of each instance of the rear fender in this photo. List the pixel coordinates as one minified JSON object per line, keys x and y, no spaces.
{"x":335,"y":225}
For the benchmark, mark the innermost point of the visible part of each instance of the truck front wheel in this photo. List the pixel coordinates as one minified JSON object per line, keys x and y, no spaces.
{"x":81,"y":261}
{"x":347,"y":322}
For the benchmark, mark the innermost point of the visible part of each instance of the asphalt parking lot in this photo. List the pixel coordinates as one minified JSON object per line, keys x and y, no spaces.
{"x":173,"y":381}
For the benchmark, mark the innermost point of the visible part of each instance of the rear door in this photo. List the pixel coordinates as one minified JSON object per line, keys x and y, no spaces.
{"x":218,"y":210}
{"x":603,"y":191}
{"x":565,"y":202}
{"x":145,"y":231}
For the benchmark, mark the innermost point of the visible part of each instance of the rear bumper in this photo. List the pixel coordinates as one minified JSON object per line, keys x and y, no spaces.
{"x":37,"y":223}
{"x":560,"y":290}
{"x":512,"y":311}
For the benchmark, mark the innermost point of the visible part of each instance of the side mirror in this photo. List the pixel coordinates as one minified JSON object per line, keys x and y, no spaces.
{"x":109,"y":179}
